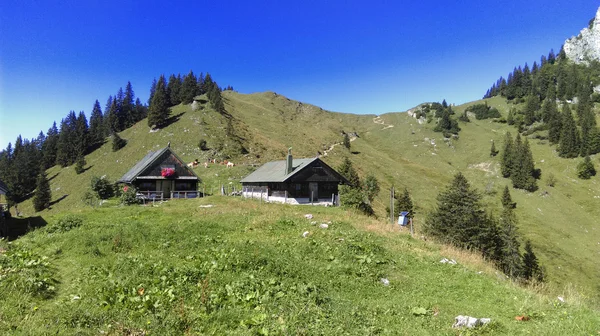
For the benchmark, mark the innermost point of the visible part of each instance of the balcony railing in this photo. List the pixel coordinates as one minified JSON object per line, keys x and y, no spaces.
{"x":159,"y":195}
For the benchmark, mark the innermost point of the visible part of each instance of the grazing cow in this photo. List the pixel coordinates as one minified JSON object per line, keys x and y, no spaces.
{"x":230,"y":164}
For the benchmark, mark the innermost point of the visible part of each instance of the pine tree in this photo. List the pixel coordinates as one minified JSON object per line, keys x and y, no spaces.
{"x":554,"y":120}
{"x":117,"y":142}
{"x":523,"y":167}
{"x":507,"y":201}
{"x":80,"y":165}
{"x":404,"y":203}
{"x":531,"y":267}
{"x":81,"y":135}
{"x":128,"y":107}
{"x":158,"y":112}
{"x":510,"y":262}
{"x":112,"y":117}
{"x":507,"y":159}
{"x":459,"y":218}
{"x":43,"y":194}
{"x":189,"y":88}
{"x":347,"y":170}
{"x":346,"y":141}
{"x":568,"y":146}
{"x":152,"y":91}
{"x":586,"y":169}
{"x":67,"y":148}
{"x":493,"y":150}
{"x":174,"y":89}
{"x":510,"y":119}
{"x":97,"y":132}
{"x":120,"y":112}
{"x":371,"y":187}
{"x":49,"y":147}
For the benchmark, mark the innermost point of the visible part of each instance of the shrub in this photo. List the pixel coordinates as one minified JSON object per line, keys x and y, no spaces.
{"x":585,"y":169}
{"x":550,"y":180}
{"x":118,"y":142}
{"x":102,"y":187}
{"x":67,"y":223}
{"x":90,"y":198}
{"x":79,"y":165}
{"x":128,"y":197}
{"x":354,"y":198}
{"x":202,"y":145}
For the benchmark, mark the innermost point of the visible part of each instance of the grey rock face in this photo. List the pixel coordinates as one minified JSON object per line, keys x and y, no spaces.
{"x":585,"y":46}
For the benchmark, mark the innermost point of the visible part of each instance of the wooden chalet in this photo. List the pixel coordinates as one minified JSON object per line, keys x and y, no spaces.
{"x":162,"y":174}
{"x":294,"y":181}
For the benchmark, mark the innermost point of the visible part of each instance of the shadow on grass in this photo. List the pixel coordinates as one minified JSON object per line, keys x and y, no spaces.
{"x":53,"y":177}
{"x":16,"y":227}
{"x":172,"y":119}
{"x":86,"y":169}
{"x":355,"y":152}
{"x":58,"y":200}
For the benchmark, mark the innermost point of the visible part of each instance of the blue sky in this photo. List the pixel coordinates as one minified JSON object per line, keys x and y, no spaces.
{"x":348,"y":56}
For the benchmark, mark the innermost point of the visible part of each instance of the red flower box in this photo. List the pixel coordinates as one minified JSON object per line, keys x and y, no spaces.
{"x":167,"y":172}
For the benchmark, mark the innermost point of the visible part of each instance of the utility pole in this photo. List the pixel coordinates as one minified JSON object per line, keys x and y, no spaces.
{"x":392,"y":205}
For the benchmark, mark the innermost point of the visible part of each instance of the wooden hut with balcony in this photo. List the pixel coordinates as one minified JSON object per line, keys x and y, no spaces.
{"x":294,"y":181}
{"x":162,"y":175}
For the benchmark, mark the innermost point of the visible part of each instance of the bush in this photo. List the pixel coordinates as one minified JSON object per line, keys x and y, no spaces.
{"x":102,"y":187}
{"x":550,"y":180}
{"x":90,"y":198}
{"x":202,"y":145}
{"x":79,"y":165}
{"x":585,"y":169}
{"x":129,"y":196}
{"x":65,"y":224}
{"x":353,"y":198}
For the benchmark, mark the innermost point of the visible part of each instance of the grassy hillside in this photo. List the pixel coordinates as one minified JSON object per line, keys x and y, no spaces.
{"x":561,"y":221}
{"x":231,"y":266}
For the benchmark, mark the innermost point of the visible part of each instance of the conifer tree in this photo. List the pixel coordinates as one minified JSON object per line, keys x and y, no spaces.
{"x":152,"y":91}
{"x":531,"y":267}
{"x":120,"y":112}
{"x":97,"y":132}
{"x":80,"y":165}
{"x":112,"y":117}
{"x":507,"y":159}
{"x":347,"y":170}
{"x":346,"y":141}
{"x":158,"y":112}
{"x":404,"y":203}
{"x":493,"y":150}
{"x":189,"y":88}
{"x":67,"y":147}
{"x":49,"y":147}
{"x":586,"y":169}
{"x":371,"y":187}
{"x":523,"y":166}
{"x":128,"y":107}
{"x":174,"y":89}
{"x":117,"y":142}
{"x":507,"y":201}
{"x":459,"y":218}
{"x":554,"y":120}
{"x":81,"y":135}
{"x":43,"y":194}
{"x":510,"y":119}
{"x":568,"y":146}
{"x":531,"y":107}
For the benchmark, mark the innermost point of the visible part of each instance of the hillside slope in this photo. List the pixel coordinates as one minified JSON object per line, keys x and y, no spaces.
{"x":561,"y":221}
{"x":223,"y":265}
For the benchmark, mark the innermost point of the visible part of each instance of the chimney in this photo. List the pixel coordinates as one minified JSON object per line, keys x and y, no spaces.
{"x":288,"y":165}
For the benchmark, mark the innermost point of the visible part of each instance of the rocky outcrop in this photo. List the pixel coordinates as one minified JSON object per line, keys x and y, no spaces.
{"x":586,"y":45}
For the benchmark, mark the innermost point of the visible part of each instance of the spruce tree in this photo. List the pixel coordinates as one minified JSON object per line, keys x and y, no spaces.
{"x":554,"y":123}
{"x":523,"y":166}
{"x":531,"y":107}
{"x":189,"y":88}
{"x":128,"y":107}
{"x":459,"y":218}
{"x":510,"y":262}
{"x":97,"y":131}
{"x":347,"y":170}
{"x":493,"y":150}
{"x":507,"y":201}
{"x":371,"y":187}
{"x":112,"y":117}
{"x":152,"y":91}
{"x":50,"y":147}
{"x":80,"y":165}
{"x":81,"y":135}
{"x":531,"y":267}
{"x":586,"y":169}
{"x":43,"y":194}
{"x":117,"y":142}
{"x":158,"y":112}
{"x":568,"y":146}
{"x":507,"y":159}
{"x":174,"y":89}
{"x":346,"y":141}
{"x":404,"y":203}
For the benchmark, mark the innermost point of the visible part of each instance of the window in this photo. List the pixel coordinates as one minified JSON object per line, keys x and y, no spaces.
{"x":147,"y":186}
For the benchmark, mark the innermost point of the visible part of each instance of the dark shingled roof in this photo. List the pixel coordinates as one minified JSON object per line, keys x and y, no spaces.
{"x":144,"y":163}
{"x":3,"y":188}
{"x":274,"y":171}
